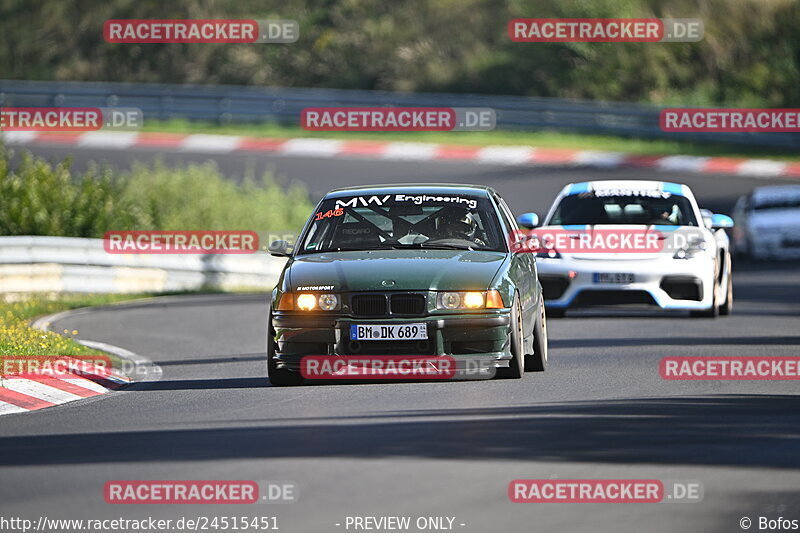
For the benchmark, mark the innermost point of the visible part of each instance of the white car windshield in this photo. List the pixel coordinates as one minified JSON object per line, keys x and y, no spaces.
{"x":661,"y":209}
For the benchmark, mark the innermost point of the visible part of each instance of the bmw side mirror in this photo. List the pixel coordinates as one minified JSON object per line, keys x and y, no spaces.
{"x":721,"y":221}
{"x":528,"y":220}
{"x":279,"y":249}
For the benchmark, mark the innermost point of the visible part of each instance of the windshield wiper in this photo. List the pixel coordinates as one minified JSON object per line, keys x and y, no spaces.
{"x":335,"y":249}
{"x":392,"y":246}
{"x":425,"y":245}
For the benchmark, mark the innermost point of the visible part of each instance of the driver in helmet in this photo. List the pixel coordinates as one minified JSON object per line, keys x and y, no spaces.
{"x":461,"y":224}
{"x":661,"y":215}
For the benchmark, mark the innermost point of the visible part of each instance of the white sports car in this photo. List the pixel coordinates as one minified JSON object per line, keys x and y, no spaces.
{"x":768,"y":223}
{"x":632,"y":242}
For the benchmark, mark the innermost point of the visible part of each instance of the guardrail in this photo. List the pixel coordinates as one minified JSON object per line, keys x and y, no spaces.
{"x":238,"y":104}
{"x":67,"y":264}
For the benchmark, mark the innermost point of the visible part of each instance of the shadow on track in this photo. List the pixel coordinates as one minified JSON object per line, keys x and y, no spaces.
{"x":239,"y":358}
{"x":750,"y":265}
{"x":767,"y":293}
{"x":201,"y":384}
{"x":744,"y":430}
{"x":676,"y":341}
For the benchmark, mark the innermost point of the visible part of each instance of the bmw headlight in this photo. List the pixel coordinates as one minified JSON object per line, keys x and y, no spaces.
{"x":451,"y":301}
{"x":328,"y":302}
{"x":306,"y":301}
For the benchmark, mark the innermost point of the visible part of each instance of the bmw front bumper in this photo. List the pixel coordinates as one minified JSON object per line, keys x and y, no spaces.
{"x":469,"y":339}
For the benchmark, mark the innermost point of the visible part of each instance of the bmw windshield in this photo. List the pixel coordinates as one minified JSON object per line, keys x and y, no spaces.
{"x":398,"y":221}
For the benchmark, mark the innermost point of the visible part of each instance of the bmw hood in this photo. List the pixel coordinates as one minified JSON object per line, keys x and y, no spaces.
{"x":417,"y":270}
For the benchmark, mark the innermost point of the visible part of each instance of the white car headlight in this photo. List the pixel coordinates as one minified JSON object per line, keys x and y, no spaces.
{"x":692,"y":250}
{"x":550,"y":253}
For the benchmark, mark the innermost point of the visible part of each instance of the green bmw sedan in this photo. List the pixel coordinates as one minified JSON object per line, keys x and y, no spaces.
{"x":426,"y":275}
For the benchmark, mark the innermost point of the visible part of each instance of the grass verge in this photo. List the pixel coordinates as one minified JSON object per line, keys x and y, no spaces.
{"x":38,"y":197}
{"x":543,"y":139}
{"x":18,"y":338}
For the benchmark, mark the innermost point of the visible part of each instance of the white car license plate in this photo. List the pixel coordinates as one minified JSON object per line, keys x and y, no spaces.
{"x":612,"y":277}
{"x":393,"y":332}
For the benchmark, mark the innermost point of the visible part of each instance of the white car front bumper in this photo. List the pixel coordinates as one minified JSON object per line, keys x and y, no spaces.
{"x":676,"y":284}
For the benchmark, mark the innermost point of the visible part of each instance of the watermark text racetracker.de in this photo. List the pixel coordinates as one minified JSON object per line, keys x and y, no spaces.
{"x":605,"y":30}
{"x":734,"y":368}
{"x":728,"y":120}
{"x":587,"y":240}
{"x":181,"y":242}
{"x":377,"y":367}
{"x":398,"y":119}
{"x":66,"y":119}
{"x":605,"y":491}
{"x":193,"y":241}
{"x":227,"y":31}
{"x":53,"y":366}
{"x":201,"y":492}
{"x":396,"y":367}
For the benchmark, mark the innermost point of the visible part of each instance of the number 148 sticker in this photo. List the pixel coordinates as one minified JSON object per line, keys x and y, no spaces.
{"x":330,"y":213}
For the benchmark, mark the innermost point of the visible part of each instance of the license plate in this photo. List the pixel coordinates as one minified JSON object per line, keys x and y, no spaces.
{"x":393,"y":332}
{"x":612,"y":277}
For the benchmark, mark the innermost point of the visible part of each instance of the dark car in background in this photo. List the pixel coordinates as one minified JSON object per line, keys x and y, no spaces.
{"x":417,"y":270}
